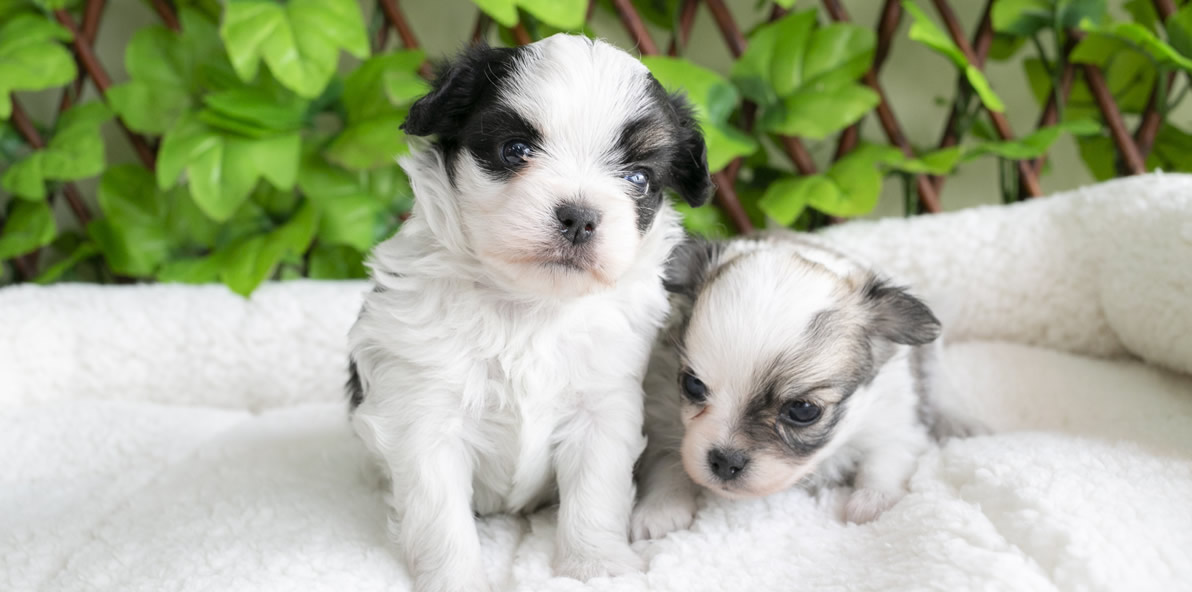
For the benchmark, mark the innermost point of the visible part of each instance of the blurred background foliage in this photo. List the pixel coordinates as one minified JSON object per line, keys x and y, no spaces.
{"x":266,"y":133}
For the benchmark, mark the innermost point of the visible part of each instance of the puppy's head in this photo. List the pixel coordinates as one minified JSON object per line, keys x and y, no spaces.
{"x":557,"y":155}
{"x":780,"y":336}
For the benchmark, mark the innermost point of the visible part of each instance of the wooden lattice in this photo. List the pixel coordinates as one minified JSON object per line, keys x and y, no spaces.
{"x":1132,"y":147}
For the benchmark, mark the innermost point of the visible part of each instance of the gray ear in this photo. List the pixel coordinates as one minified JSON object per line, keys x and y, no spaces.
{"x":689,"y":265}
{"x":898,"y":316}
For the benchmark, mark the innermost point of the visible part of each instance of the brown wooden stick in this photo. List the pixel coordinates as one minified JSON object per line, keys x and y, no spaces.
{"x":483,"y":22}
{"x":404,"y":32}
{"x":521,"y":35}
{"x":382,"y":35}
{"x":1050,"y":114}
{"x":91,"y":16}
{"x":636,"y":28}
{"x":1134,"y":161}
{"x":25,"y":127}
{"x":102,"y":82}
{"x":885,"y":115}
{"x":166,"y":13}
{"x":728,"y":27}
{"x":982,"y":42}
{"x":1152,"y":118}
{"x":686,"y":20}
{"x":1000,"y":124}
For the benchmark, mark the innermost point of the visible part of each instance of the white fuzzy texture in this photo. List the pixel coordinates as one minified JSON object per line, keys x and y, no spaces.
{"x":181,"y":438}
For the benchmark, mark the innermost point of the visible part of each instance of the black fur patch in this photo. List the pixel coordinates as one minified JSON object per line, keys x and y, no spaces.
{"x":688,"y":266}
{"x":354,"y":387}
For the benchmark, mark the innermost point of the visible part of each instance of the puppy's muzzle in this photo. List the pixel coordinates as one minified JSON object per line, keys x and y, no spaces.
{"x":727,"y":464}
{"x":577,"y":224}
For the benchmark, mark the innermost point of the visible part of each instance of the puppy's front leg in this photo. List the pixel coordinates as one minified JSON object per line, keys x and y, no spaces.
{"x":437,"y":531}
{"x":594,"y":459}
{"x":881,"y":479}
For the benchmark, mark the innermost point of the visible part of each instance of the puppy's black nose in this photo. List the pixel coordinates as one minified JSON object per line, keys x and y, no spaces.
{"x":577,"y":223}
{"x":727,"y":464}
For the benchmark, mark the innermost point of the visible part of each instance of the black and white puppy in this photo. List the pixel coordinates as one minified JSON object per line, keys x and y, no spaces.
{"x":498,"y":364}
{"x":786,"y":362}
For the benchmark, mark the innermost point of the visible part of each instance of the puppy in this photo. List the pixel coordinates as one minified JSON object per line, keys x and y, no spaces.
{"x":497,"y":365}
{"x":785,"y":362}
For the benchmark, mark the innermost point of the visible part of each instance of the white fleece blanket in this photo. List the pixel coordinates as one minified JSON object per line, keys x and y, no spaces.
{"x":182,"y":438}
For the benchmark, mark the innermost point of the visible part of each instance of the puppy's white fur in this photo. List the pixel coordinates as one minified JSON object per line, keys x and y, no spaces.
{"x":773,"y":319}
{"x":491,"y":379}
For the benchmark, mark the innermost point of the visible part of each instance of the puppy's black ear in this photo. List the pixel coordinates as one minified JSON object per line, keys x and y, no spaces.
{"x":898,"y":316}
{"x":689,"y":266}
{"x":459,"y":86}
{"x":689,"y":163}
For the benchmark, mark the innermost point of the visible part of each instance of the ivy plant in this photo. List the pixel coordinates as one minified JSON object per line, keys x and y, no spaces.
{"x":273,"y":128}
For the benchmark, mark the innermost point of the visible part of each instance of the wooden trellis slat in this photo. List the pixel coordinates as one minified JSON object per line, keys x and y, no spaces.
{"x":1132,"y":148}
{"x":927,"y":193}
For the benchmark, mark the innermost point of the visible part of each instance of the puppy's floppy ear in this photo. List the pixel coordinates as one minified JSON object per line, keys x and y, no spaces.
{"x":459,"y":85}
{"x":689,"y":266}
{"x":689,"y":163}
{"x":898,"y":316}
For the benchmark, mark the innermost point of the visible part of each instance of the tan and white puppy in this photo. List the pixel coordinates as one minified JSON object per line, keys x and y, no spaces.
{"x":498,"y":364}
{"x":785,"y":362}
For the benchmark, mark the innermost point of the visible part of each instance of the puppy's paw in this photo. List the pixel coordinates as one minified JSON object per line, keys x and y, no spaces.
{"x":655,"y":516}
{"x":608,"y":563}
{"x":864,"y":505}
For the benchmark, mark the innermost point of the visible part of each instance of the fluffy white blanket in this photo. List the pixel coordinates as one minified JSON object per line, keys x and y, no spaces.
{"x":182,"y":438}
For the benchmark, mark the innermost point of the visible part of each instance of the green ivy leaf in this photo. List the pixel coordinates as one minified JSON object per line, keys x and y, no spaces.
{"x":1172,"y":147}
{"x":925,"y":31}
{"x":502,"y":11}
{"x":564,"y":14}
{"x":30,"y":225}
{"x":254,"y":112}
{"x":328,"y":262}
{"x":194,"y":270}
{"x":77,"y":150}
{"x":1094,"y":48}
{"x":382,"y":84}
{"x":1179,"y":30}
{"x":786,"y":199}
{"x":223,"y":169}
{"x":772,"y":64}
{"x":707,"y":222}
{"x":939,"y":162}
{"x":859,"y":181}
{"x":713,"y":100}
{"x":817,"y":115}
{"x":31,"y":57}
{"x":837,"y":55}
{"x":252,"y":260}
{"x":25,"y":179}
{"x":369,"y":144}
{"x":1035,"y":144}
{"x":349,"y":220}
{"x":85,"y":250}
{"x":1098,"y":152}
{"x":299,"y":41}
{"x":1005,"y":46}
{"x":1027,"y":17}
{"x":158,"y":92}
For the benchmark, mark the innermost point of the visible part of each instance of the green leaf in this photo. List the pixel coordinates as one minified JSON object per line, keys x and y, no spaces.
{"x":1143,"y":12}
{"x":31,"y":57}
{"x":860,"y":184}
{"x":1132,"y":34}
{"x":130,"y":250}
{"x":349,"y":220}
{"x":1098,"y":154}
{"x":1037,"y":143}
{"x":1021,"y":17}
{"x":502,"y":11}
{"x":223,"y":169}
{"x":817,"y":115}
{"x":252,"y":260}
{"x":128,"y":197}
{"x":369,"y":144}
{"x":939,"y":162}
{"x":196,"y":270}
{"x":772,"y":63}
{"x":148,"y":108}
{"x":1005,"y":46}
{"x":336,"y":263}
{"x":726,"y":143}
{"x":837,"y":55}
{"x":989,"y":98}
{"x":30,"y":225}
{"x":708,"y":221}
{"x":77,"y":150}
{"x":786,"y":199}
{"x":299,"y":41}
{"x":85,"y":250}
{"x":1179,"y":30}
{"x":925,"y":31}
{"x":262,"y":112}
{"x":1172,"y":147}
{"x":25,"y":179}
{"x":564,"y":14}
{"x":382,"y":84}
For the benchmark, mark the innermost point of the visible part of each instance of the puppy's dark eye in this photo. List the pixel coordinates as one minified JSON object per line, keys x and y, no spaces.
{"x":640,"y":179}
{"x":515,"y":152}
{"x":801,"y":413}
{"x":693,"y":388}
